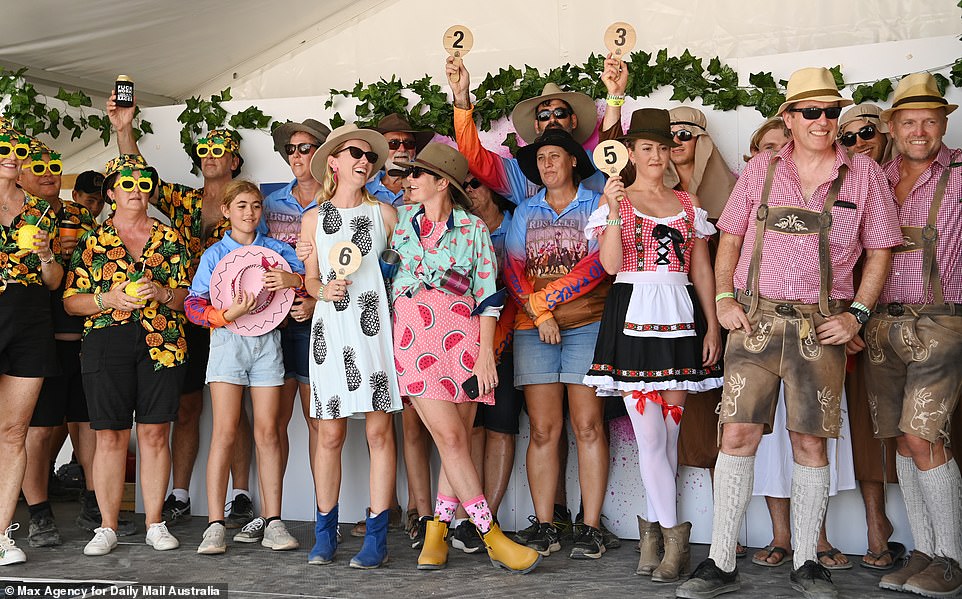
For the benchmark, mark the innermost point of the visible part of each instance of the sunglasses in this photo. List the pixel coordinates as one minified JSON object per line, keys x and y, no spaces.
{"x":416,"y":171}
{"x":302,"y":149}
{"x":849,"y":139}
{"x":813,"y":114}
{"x":394,"y":144}
{"x":145,"y":184}
{"x":40,"y":168}
{"x":558,"y":113}
{"x":212,"y":150}
{"x":473,"y":184}
{"x":356,"y":153}
{"x":21,"y":150}
{"x":683,"y":135}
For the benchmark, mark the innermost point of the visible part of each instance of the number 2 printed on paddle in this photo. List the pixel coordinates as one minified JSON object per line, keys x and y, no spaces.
{"x":610,"y":156}
{"x":344,"y":258}
{"x":458,"y":41}
{"x":620,"y":39}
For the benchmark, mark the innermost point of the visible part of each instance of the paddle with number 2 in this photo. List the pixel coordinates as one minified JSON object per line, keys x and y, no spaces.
{"x":458,"y":41}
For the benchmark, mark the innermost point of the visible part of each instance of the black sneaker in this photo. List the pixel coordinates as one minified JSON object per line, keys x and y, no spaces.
{"x":611,"y":539}
{"x":813,"y":581}
{"x":175,"y":511}
{"x":708,"y":580}
{"x":43,"y":531}
{"x":590,"y":544}
{"x":241,"y":512}
{"x":466,"y":538}
{"x":562,"y":521}
{"x":524,"y":534}
{"x":71,"y":476}
{"x":547,"y":540}
{"x":89,"y":518}
{"x":417,"y":533}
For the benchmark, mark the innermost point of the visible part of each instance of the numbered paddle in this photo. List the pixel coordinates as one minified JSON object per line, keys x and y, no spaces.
{"x":620,"y":39}
{"x":458,"y":41}
{"x":344,"y":258}
{"x":610,"y":156}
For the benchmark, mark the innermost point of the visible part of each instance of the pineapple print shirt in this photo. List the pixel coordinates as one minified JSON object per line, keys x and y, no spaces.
{"x":101,"y":261}
{"x":22,"y":267}
{"x":182,"y":205}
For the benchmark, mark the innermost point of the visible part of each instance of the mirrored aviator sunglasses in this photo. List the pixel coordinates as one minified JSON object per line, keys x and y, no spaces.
{"x":302,"y":149}
{"x":558,"y":113}
{"x":850,"y":139}
{"x":683,"y":135}
{"x":813,"y":113}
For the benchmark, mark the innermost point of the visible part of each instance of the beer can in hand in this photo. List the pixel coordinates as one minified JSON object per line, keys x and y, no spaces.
{"x":124,"y":91}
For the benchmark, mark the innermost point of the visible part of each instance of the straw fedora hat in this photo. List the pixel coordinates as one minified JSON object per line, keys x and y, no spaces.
{"x":918,"y":90}
{"x":523,"y":115}
{"x":813,"y":83}
{"x":344,"y":133}
{"x":444,"y":161}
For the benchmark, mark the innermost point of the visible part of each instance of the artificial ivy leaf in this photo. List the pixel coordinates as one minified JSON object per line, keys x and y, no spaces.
{"x":837,"y":74}
{"x":942,"y":82}
{"x":337,"y":121}
{"x":146,"y":127}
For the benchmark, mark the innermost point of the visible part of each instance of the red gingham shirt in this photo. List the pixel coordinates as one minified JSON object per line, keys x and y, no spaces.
{"x":637,"y":230}
{"x":789,"y":264}
{"x":905,"y":278}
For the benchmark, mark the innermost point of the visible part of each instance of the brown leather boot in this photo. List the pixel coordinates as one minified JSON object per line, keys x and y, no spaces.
{"x":507,"y":554}
{"x":894,"y":581}
{"x":651,"y":545}
{"x":434,"y":552}
{"x":677,"y":558}
{"x":943,"y":578}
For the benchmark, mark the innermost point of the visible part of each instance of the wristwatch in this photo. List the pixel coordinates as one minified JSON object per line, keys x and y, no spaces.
{"x":861,"y":316}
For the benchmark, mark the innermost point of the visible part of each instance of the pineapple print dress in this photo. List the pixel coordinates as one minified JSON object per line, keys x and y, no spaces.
{"x":352,"y":362}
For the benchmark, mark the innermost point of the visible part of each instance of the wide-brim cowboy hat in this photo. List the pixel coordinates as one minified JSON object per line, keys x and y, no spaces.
{"x":395,"y":123}
{"x":523,"y":115}
{"x":282,"y":135}
{"x":444,"y":161}
{"x":528,"y":155}
{"x":243,"y":270}
{"x":814,"y":84}
{"x":340,"y":135}
{"x":917,"y":91}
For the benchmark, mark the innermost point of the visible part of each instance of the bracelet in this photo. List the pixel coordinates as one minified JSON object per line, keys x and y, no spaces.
{"x":170,"y":296}
{"x":722,"y":296}
{"x":861,"y":307}
{"x":320,"y":293}
{"x":613,"y":222}
{"x":614,"y":100}
{"x":46,"y":261}
{"x":99,"y":300}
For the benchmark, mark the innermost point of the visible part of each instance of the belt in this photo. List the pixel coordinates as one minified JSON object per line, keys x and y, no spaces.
{"x":898,"y":309}
{"x":789,"y":308}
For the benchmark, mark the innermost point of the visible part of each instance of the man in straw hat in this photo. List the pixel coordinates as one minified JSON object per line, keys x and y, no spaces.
{"x":914,"y":339}
{"x":573,"y":112}
{"x":196,"y":215}
{"x":403,"y":144}
{"x":792,"y":230}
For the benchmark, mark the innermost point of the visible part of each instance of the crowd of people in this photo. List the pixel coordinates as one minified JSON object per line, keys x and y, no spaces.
{"x":727,"y":316}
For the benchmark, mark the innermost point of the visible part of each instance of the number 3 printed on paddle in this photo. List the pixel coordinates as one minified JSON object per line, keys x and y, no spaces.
{"x":620,"y":39}
{"x":458,"y":41}
{"x":610,"y":156}
{"x":344,"y":258}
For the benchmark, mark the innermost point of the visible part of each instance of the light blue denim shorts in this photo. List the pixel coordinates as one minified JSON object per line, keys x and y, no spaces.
{"x":247,"y":361}
{"x":539,"y":363}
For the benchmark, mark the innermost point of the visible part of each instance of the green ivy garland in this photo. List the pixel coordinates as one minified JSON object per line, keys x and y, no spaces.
{"x":200,"y":113}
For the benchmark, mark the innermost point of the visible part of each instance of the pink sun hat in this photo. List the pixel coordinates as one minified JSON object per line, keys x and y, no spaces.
{"x":243,"y":270}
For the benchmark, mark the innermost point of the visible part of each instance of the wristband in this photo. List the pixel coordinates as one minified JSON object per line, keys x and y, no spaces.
{"x":860,"y":306}
{"x":615,"y":100}
{"x":722,"y":296}
{"x":613,"y":222}
{"x":320,"y":293}
{"x":99,"y":300}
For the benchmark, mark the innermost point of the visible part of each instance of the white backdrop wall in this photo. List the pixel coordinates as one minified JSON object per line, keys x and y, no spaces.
{"x":730,"y":131}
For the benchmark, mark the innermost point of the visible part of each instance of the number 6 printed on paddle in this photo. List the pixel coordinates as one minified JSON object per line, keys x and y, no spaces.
{"x":344,"y":258}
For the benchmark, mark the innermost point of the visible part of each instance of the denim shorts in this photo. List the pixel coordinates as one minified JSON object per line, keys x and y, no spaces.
{"x":296,"y":347}
{"x":247,"y":361}
{"x":538,"y":363}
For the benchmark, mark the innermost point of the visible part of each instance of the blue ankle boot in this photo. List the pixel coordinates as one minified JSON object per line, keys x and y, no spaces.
{"x":373,"y":552}
{"x":325,"y":535}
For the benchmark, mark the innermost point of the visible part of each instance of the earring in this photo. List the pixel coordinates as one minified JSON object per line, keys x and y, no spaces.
{"x":333,"y":176}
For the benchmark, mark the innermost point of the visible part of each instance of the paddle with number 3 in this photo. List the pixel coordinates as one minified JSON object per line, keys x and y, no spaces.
{"x":344,"y":258}
{"x":458,"y":41}
{"x":620,"y":39}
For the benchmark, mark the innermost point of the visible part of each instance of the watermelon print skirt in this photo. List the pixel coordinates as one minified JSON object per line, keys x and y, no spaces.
{"x":436,"y":342}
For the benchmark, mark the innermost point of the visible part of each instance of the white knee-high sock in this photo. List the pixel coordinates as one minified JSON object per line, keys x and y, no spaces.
{"x":942,"y":492}
{"x":734,"y":479}
{"x":809,"y":502}
{"x":915,"y":506}
{"x":656,"y":472}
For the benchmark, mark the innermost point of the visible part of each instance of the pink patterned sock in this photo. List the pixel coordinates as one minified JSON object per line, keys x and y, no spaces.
{"x":480,"y":513}
{"x":445,"y":507}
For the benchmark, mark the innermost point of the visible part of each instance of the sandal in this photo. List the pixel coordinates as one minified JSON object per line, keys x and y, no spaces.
{"x":831,"y":554}
{"x":895,"y":552}
{"x":740,"y":551}
{"x":771,"y":550}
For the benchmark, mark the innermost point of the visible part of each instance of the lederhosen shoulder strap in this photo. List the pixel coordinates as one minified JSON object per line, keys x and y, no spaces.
{"x":761,"y":217}
{"x":930,"y":242}
{"x":824,"y":257}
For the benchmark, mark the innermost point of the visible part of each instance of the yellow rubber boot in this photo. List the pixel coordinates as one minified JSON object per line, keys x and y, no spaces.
{"x":509,"y":555}
{"x":434,"y":552}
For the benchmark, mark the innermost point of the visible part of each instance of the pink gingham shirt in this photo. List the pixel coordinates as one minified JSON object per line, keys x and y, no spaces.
{"x":789,"y":264}
{"x":905,"y":278}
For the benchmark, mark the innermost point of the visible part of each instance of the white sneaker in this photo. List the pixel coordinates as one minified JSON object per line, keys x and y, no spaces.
{"x":277,"y":538}
{"x":213,"y":543}
{"x":104,"y":541}
{"x":9,"y":552}
{"x":253,"y":532}
{"x":160,"y":538}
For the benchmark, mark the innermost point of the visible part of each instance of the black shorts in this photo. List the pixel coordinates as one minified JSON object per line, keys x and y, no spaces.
{"x":198,"y":351}
{"x":502,"y":417}
{"x":62,"y":396}
{"x":295,"y":345}
{"x":27,"y":349}
{"x":120,"y":380}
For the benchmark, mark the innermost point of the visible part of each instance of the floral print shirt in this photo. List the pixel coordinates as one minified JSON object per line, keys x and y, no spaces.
{"x":22,"y":267}
{"x":101,"y":261}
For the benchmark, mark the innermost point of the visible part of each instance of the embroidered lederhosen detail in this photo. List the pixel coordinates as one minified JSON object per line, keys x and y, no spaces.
{"x":791,"y":220}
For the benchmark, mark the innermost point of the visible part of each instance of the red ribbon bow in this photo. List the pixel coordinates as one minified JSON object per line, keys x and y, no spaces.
{"x":653,"y":396}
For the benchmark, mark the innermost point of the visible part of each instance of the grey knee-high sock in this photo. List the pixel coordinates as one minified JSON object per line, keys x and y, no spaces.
{"x":915,"y":505}
{"x":942,"y":492}
{"x":734,"y":479}
{"x":809,"y":502}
